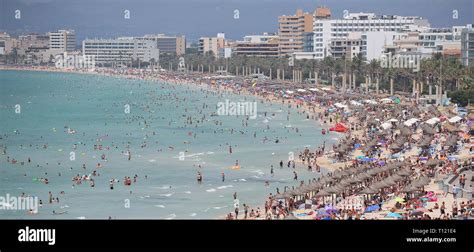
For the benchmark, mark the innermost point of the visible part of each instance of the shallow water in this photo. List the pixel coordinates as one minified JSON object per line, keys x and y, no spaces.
{"x":93,"y":106}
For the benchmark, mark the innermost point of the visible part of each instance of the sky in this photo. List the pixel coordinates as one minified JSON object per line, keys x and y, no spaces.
{"x":196,"y":18}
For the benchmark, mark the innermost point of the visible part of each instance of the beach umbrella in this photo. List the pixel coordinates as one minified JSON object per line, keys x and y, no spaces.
{"x":345,"y":182}
{"x":368,"y":191}
{"x":332,"y":190}
{"x":433,"y":162}
{"x":322,"y":193}
{"x":399,"y":200}
{"x":416,"y":213}
{"x":337,"y":174}
{"x":322,"y":212}
{"x":372,"y":208}
{"x":280,"y":196}
{"x":421,"y":209}
{"x":297,"y":192}
{"x":409,"y":189}
{"x":326,"y":179}
{"x":404,"y":172}
{"x":389,"y":181}
{"x":394,"y":215}
{"x":290,"y":217}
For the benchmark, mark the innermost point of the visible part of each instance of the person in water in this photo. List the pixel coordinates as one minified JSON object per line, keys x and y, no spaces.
{"x":199,"y":178}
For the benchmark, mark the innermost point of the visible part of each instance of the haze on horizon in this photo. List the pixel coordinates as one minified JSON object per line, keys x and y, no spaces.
{"x":196,"y":18}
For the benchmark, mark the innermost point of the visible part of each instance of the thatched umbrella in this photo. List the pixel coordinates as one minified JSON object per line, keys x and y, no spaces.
{"x":322,"y":193}
{"x":337,"y":174}
{"x":368,"y":191}
{"x":280,"y":196}
{"x":452,"y":140}
{"x":404,"y":172}
{"x":433,"y":162}
{"x":326,"y":179}
{"x":396,"y":177}
{"x":405,"y":131}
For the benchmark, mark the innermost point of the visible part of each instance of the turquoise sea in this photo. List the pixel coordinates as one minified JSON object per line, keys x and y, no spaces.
{"x":155,"y":131}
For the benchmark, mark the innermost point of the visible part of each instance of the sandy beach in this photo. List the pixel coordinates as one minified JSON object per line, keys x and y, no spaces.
{"x":374,"y":135}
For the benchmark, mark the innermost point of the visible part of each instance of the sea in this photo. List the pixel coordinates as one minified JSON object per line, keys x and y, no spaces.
{"x":70,"y":124}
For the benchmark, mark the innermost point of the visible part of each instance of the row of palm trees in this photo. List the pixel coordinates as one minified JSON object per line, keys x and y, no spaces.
{"x":435,"y":75}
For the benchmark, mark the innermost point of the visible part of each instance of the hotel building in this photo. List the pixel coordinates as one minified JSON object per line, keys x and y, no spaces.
{"x":326,"y":30}
{"x":292,"y":31}
{"x":257,"y":46}
{"x":467,"y":45}
{"x":168,"y":44}
{"x":120,"y":50}
{"x":62,"y":41}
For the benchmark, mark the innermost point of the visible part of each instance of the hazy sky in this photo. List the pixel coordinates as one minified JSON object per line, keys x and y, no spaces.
{"x":195,"y":18}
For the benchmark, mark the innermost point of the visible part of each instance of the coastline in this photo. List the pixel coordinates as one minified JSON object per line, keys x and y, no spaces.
{"x":358,"y":130}
{"x":311,"y":110}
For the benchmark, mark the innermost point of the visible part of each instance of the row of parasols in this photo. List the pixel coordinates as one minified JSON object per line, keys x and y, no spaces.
{"x":339,"y":181}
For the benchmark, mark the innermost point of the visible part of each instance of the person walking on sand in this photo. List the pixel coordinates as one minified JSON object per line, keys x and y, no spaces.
{"x":236,"y":213}
{"x":295,"y":177}
{"x":455,"y":191}
{"x":246,"y":210}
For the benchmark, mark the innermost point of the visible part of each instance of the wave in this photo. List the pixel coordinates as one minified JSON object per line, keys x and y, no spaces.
{"x":166,"y":194}
{"x":160,"y":206}
{"x":224,"y":187}
{"x":171,"y":216}
{"x":211,"y":190}
{"x":164,"y":187}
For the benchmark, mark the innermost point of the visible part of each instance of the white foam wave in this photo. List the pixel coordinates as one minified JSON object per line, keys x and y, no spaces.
{"x":171,"y":216}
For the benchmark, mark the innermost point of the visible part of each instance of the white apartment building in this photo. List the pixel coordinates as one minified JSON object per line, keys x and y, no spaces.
{"x":327,"y":29}
{"x":373,"y":43}
{"x":120,"y":50}
{"x":62,"y":40}
{"x":439,"y":39}
{"x":467,"y":45}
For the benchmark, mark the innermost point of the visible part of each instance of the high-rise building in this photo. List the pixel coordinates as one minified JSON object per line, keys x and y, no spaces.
{"x":292,"y":30}
{"x":467,"y":45}
{"x":257,"y":46}
{"x":121,"y":50}
{"x":168,"y":44}
{"x":327,"y":29}
{"x":62,"y":40}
